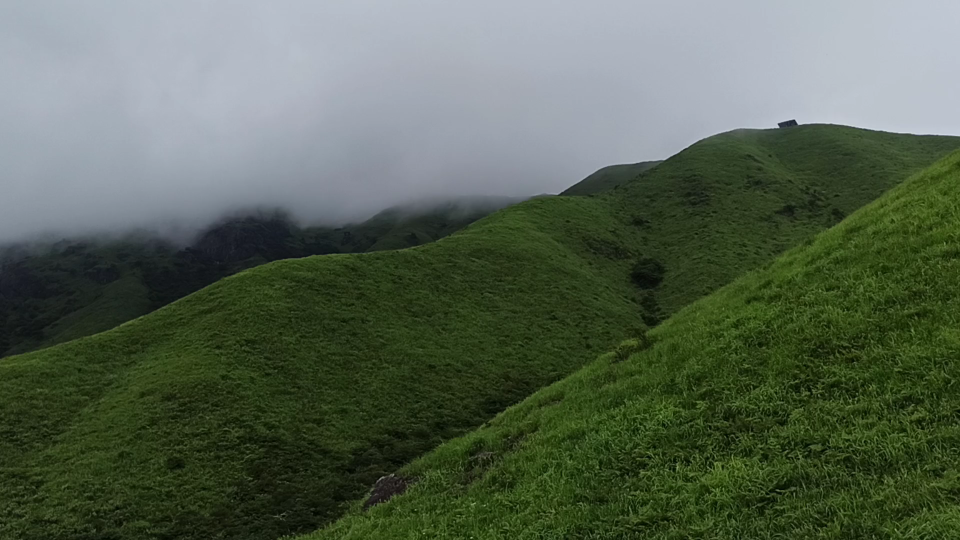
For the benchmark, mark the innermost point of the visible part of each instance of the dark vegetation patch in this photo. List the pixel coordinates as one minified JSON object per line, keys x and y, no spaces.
{"x":651,"y":313}
{"x":695,"y":190}
{"x":647,"y":273}
{"x":787,"y":210}
{"x":175,"y":463}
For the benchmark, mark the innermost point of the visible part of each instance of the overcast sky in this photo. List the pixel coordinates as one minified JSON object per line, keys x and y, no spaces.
{"x":121,"y":113}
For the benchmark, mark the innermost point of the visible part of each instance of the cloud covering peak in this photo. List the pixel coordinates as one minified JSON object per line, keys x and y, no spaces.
{"x":115,"y":114}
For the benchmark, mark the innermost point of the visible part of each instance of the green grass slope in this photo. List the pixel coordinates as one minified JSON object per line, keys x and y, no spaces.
{"x":610,"y":177}
{"x":268,"y":402}
{"x":257,"y":406}
{"x":413,"y":225}
{"x":734,"y":201}
{"x":816,"y":398}
{"x":50,"y":294}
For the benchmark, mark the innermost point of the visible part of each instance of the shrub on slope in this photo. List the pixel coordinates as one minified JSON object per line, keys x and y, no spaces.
{"x":815,"y":398}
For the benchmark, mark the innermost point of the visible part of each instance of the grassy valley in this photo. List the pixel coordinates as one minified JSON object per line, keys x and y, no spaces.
{"x":815,"y":398}
{"x":267,"y":403}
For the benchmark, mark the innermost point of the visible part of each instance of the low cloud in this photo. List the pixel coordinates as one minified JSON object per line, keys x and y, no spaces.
{"x":117,"y":114}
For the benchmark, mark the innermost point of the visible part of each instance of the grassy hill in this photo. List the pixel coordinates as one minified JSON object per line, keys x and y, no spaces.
{"x":263,"y":403}
{"x":420,"y":223}
{"x":816,"y":398}
{"x":57,"y":292}
{"x":610,"y":177}
{"x":266,"y":403}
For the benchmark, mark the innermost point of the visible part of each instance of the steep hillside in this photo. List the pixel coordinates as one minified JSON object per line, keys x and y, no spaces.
{"x":732,"y":202}
{"x":610,"y":177}
{"x":265,"y":403}
{"x":50,"y":294}
{"x":814,"y":399}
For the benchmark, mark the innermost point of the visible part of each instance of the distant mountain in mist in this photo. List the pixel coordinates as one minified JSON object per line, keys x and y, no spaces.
{"x":53,"y":292}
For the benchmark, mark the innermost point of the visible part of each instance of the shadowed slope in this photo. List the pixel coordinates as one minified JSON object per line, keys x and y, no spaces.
{"x":816,"y":398}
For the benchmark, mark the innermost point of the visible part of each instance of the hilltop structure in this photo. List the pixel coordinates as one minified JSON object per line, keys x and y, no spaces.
{"x":788,"y":123}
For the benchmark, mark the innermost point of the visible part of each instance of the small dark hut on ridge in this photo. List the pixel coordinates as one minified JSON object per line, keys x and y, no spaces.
{"x":788,"y":123}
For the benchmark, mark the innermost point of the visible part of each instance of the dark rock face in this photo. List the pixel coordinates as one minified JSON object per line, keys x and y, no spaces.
{"x":386,"y":488}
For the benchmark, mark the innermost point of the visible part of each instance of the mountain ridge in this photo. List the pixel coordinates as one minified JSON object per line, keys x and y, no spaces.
{"x":54,"y":292}
{"x":609,"y":178}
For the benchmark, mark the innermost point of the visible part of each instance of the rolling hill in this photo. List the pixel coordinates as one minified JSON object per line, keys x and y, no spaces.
{"x":733,"y":202}
{"x":55,"y":292}
{"x":816,"y":398}
{"x":266,"y":403}
{"x":610,"y":177}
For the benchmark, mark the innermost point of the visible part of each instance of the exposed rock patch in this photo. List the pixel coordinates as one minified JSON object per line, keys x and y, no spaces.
{"x":386,"y":488}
